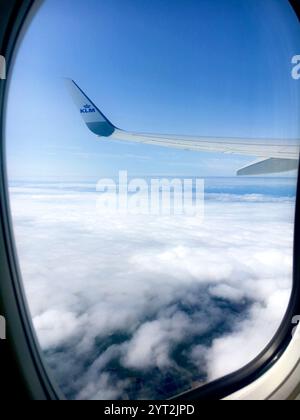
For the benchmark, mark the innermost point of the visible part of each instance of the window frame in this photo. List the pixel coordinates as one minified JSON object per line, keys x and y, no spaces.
{"x":23,"y":356}
{"x":25,"y":374}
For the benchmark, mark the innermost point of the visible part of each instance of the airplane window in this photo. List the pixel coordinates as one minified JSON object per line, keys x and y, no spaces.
{"x":153,"y":175}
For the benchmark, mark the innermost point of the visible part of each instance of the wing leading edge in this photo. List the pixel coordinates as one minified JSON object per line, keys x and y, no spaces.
{"x":277,"y":155}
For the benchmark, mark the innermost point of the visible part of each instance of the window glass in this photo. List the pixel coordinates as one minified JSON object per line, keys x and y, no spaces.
{"x":149,"y":270}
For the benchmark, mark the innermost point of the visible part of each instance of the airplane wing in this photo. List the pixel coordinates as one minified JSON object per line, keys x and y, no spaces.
{"x":276,"y":155}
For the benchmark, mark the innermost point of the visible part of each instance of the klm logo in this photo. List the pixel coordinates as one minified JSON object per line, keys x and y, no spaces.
{"x":87,"y":109}
{"x":2,"y":328}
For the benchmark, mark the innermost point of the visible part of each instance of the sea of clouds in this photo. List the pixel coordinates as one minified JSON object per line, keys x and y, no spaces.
{"x":146,"y":306}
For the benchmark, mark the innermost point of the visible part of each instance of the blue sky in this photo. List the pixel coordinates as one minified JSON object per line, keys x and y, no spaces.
{"x":195,"y":67}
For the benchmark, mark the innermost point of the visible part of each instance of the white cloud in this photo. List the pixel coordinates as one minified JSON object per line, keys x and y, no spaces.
{"x":250,"y":336}
{"x":55,"y":327}
{"x":152,"y":342}
{"x":103,"y":389}
{"x":123,"y":304}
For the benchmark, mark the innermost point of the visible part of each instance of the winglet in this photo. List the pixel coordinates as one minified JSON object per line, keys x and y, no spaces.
{"x":91,"y":115}
{"x":269,"y":166}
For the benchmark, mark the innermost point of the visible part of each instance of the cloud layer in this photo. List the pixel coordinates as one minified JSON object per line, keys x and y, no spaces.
{"x":148,"y":307}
